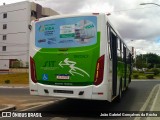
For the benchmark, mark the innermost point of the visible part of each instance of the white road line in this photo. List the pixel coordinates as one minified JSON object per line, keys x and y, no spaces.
{"x":147,"y":101}
{"x":46,"y":103}
{"x":49,"y":102}
{"x":154,"y":103}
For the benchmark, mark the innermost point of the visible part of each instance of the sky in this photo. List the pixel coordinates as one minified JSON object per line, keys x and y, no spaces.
{"x":139,"y":25}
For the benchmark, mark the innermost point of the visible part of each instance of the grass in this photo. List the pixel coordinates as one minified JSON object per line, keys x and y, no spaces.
{"x":17,"y":78}
{"x":143,"y":76}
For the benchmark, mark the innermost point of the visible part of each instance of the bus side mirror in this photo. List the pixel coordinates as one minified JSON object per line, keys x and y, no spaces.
{"x":30,"y":27}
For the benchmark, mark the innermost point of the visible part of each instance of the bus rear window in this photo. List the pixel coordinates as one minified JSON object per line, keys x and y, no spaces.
{"x":66,"y":32}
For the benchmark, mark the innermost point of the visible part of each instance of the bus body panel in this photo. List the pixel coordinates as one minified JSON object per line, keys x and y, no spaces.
{"x":69,"y":92}
{"x":69,"y":70}
{"x":69,"y":51}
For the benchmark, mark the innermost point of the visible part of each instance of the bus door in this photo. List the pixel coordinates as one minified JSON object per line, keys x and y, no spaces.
{"x":130,"y":67}
{"x":125,"y":65}
{"x":114,"y":63}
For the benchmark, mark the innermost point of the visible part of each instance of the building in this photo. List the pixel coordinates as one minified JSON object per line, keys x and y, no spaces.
{"x":14,"y":33}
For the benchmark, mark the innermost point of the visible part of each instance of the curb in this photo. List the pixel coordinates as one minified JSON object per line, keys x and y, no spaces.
{"x":13,"y":86}
{"x":8,"y":107}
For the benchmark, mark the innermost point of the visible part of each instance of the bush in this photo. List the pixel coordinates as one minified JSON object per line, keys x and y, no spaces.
{"x":135,"y":71}
{"x":135,"y":76}
{"x":156,"y":71}
{"x":150,"y":76}
{"x":7,"y":81}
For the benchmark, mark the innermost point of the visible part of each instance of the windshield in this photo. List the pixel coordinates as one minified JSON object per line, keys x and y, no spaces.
{"x":66,"y":32}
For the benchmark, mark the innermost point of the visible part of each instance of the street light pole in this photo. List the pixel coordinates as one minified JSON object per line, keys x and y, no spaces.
{"x":150,"y":3}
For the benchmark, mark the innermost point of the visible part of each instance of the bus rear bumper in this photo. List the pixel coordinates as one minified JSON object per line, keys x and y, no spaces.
{"x":81,"y":92}
{"x":77,"y":92}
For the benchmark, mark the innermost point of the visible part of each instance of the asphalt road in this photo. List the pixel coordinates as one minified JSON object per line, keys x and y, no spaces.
{"x":71,"y":109}
{"x":14,"y":91}
{"x":132,"y":100}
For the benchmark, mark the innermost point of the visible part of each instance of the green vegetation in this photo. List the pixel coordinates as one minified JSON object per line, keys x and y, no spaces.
{"x":149,"y":61}
{"x":150,"y":76}
{"x":146,"y":66}
{"x":17,"y":78}
{"x":153,"y":73}
{"x":135,"y":76}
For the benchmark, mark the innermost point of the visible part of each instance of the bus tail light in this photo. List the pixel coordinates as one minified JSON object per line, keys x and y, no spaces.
{"x":33,"y":70}
{"x":99,"y":71}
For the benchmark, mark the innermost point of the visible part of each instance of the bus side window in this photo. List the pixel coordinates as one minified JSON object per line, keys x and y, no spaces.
{"x":124,"y":53}
{"x":109,"y":41}
{"x":128,"y":57}
{"x":113,"y":44}
{"x":119,"y":57}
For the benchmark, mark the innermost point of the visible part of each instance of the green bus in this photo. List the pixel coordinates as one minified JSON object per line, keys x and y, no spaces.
{"x":78,"y":56}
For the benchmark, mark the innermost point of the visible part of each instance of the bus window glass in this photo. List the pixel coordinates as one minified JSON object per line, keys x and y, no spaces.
{"x":118,"y":50}
{"x":109,"y":41}
{"x":118,"y":44}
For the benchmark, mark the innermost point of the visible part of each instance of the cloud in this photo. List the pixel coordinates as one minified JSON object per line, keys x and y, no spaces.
{"x":63,"y":6}
{"x":9,"y":1}
{"x":133,"y":21}
{"x":96,"y":6}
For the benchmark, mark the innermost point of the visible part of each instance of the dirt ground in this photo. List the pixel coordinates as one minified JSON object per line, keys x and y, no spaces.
{"x":24,"y":102}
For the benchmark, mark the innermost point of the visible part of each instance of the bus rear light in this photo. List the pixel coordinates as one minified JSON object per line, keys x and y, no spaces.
{"x":33,"y":70}
{"x":32,"y":90}
{"x":99,"y":71}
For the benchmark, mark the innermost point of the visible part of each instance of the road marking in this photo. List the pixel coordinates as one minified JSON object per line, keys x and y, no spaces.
{"x":153,"y":105}
{"x":45,"y":103}
{"x":148,"y":100}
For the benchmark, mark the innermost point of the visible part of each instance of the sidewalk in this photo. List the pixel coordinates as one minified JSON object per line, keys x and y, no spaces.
{"x":7,"y":108}
{"x":14,"y":85}
{"x":10,"y":107}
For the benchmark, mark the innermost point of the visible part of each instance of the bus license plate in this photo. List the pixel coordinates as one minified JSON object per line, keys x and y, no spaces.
{"x":63,"y":77}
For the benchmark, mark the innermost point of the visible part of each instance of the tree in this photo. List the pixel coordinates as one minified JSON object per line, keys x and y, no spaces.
{"x":149,"y":60}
